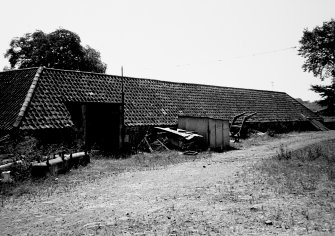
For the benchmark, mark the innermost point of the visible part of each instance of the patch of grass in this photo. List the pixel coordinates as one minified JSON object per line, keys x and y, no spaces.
{"x":283,"y":153}
{"x":100,"y":166}
{"x":302,"y":170}
{"x":148,"y":161}
{"x":306,"y":177}
{"x":256,"y":139}
{"x":294,"y":190}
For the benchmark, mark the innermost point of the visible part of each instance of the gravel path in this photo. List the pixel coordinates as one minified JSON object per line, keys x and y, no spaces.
{"x":153,"y":202}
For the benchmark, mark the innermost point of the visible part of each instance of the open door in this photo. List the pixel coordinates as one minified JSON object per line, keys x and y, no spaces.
{"x":99,"y":124}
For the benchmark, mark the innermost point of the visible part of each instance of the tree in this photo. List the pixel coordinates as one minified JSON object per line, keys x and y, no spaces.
{"x":60,"y":49}
{"x":90,"y":60}
{"x":318,"y":48}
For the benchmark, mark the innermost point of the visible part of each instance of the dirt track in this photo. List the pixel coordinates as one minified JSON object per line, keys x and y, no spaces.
{"x":180,"y":198}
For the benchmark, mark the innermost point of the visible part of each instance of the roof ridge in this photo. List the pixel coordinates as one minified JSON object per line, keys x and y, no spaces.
{"x":164,"y":81}
{"x":206,"y":85}
{"x":9,"y":71}
{"x":77,"y":71}
{"x":28,"y":97}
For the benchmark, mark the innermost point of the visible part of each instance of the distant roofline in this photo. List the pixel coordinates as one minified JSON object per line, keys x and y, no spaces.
{"x":129,"y":77}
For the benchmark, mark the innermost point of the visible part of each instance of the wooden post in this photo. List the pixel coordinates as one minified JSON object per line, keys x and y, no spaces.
{"x":122,"y":130}
{"x":83,"y":113}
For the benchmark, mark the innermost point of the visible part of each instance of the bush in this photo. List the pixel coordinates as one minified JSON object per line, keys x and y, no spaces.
{"x":283,"y":153}
{"x":28,"y":149}
{"x":271,"y":132}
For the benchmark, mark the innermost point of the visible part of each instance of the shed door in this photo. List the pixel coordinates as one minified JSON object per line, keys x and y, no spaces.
{"x":103,"y":126}
{"x":97,"y":124}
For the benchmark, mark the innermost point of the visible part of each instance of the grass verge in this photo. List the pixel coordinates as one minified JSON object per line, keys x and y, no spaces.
{"x":100,"y":166}
{"x":292,"y":192}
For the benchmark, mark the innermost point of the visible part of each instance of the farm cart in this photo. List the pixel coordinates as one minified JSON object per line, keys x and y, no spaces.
{"x":237,"y":125}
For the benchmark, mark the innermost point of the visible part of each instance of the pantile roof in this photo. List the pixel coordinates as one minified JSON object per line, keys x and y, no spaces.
{"x":147,"y":102}
{"x":14,"y":87}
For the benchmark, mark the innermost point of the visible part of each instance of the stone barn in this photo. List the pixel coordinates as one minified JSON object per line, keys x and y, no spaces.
{"x":52,"y":103}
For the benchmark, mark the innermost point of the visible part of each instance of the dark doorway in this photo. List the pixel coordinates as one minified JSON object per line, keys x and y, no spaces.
{"x":98,"y":124}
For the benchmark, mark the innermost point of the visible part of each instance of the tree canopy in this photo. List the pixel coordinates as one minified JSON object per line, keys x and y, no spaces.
{"x":318,"y":49}
{"x":60,"y":49}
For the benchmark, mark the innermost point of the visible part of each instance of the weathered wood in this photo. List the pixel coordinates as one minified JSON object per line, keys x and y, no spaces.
{"x":236,"y":117}
{"x":163,"y":144}
{"x":146,"y":141}
{"x":236,"y":128}
{"x":8,"y":165}
{"x":61,"y":163}
{"x":317,"y":124}
{"x":83,"y":113}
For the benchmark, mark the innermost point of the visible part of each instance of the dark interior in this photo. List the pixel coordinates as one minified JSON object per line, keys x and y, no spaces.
{"x":102,"y":124}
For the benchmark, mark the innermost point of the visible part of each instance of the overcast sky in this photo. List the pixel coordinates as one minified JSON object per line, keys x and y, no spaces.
{"x":246,"y":44}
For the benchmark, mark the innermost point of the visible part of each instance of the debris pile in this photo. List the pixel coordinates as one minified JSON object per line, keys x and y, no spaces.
{"x":167,"y":138}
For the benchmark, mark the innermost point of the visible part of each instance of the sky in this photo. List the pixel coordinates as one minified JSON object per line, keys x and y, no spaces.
{"x":242,"y":43}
